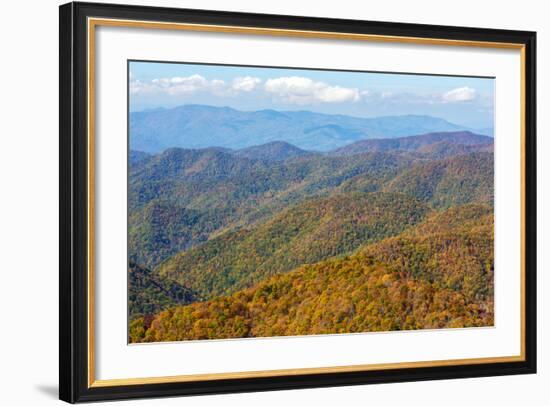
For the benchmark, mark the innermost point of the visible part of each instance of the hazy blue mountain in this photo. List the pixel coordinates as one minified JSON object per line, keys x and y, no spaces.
{"x":443,"y":141}
{"x":137,"y":156}
{"x":199,"y":126}
{"x":272,"y":151}
{"x":489,"y":131}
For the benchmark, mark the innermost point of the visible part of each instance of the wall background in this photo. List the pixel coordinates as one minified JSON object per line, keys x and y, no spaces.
{"x":29,"y":188}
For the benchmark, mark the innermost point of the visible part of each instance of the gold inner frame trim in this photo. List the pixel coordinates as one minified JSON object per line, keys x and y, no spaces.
{"x":94,"y":22}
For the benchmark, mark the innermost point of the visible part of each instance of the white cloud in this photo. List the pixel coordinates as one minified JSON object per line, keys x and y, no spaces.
{"x":301,"y":90}
{"x":297,"y":90}
{"x":181,"y":85}
{"x":177,"y":85}
{"x":460,"y":94}
{"x":217,"y":87}
{"x":217,"y":83}
{"x":292,"y":89}
{"x":137,"y":86}
{"x":246,"y":83}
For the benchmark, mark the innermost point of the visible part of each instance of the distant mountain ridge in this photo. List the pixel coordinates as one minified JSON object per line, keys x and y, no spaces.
{"x":415,"y":142}
{"x":438,"y":144}
{"x":272,"y":151}
{"x":200,"y":126}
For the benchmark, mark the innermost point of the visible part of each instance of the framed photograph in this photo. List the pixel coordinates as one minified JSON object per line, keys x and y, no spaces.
{"x":257,"y":202}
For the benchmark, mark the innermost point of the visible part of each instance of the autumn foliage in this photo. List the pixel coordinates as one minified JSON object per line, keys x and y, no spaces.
{"x":432,"y":276}
{"x":389,"y":234}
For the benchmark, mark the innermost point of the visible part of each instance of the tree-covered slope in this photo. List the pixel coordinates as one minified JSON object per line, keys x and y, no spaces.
{"x":149,"y":294}
{"x":452,"y":249}
{"x":215,"y":177}
{"x":162,"y":229}
{"x":182,"y":197}
{"x":439,"y":275}
{"x":304,"y":233}
{"x":444,"y":149}
{"x":452,"y":181}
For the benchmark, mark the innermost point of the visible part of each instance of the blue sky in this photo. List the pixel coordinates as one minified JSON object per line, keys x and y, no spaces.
{"x":462,"y":100}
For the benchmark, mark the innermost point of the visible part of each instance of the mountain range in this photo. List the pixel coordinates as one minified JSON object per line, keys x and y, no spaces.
{"x":180,"y":198}
{"x":447,"y":141}
{"x":200,"y":126}
{"x":277,"y":238}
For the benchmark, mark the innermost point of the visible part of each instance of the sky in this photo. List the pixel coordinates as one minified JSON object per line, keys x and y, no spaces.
{"x":467,"y":101}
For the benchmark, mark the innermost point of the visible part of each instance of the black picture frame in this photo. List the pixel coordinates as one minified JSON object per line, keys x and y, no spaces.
{"x":73,"y":284}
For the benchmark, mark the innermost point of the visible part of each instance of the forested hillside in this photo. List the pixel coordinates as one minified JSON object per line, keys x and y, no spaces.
{"x":149,"y":294}
{"x":302,"y":234}
{"x":179,"y":198}
{"x":428,"y":277}
{"x":458,"y":180}
{"x":273,"y":239}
